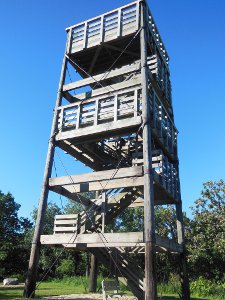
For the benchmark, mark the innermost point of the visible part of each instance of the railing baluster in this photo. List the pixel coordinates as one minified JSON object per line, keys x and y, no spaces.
{"x":137,"y":15}
{"x":78,"y":116}
{"x":61,"y":119}
{"x":135,"y":103}
{"x":102,"y":29}
{"x":69,"y":41}
{"x":115,"y":108}
{"x":85,"y":35}
{"x":119,"y":22}
{"x":96,"y":112}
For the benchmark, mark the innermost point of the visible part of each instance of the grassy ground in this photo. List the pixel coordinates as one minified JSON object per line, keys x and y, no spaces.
{"x":53,"y":288}
{"x":67,"y":287}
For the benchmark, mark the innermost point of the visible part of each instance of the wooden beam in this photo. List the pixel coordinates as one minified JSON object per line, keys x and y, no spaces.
{"x":74,"y":151}
{"x":30,"y":283}
{"x":121,"y":50}
{"x":101,"y":77}
{"x":149,"y":223}
{"x":103,"y":185}
{"x":69,"y":97}
{"x":97,"y":176}
{"x":97,"y":52}
{"x":105,"y":90}
{"x":71,"y":195}
{"x":92,"y":286}
{"x":182,"y":258}
{"x":91,"y":132}
{"x":91,"y":239}
{"x":124,"y":239}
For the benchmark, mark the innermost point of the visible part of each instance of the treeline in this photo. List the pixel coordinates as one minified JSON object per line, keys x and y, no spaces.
{"x":205,"y":238}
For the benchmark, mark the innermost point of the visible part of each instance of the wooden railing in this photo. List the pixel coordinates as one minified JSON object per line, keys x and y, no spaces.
{"x":163,"y":124}
{"x":120,"y":105}
{"x":168,"y":175}
{"x":156,"y":38}
{"x":162,"y":76}
{"x":100,"y":109}
{"x":111,"y":25}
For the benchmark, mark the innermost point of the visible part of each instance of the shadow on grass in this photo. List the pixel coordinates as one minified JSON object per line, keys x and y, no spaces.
{"x":11,"y":293}
{"x":177,"y":298}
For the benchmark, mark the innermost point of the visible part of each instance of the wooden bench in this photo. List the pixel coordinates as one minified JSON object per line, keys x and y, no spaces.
{"x":110,"y":289}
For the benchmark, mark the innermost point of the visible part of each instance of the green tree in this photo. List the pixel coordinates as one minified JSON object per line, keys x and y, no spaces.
{"x":207,"y":236}
{"x":14,"y":244}
{"x":48,"y":255}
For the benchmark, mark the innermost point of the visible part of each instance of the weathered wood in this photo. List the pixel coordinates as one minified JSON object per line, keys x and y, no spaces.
{"x":30,"y":283}
{"x":182,"y":257}
{"x":120,"y":50}
{"x":97,"y":176}
{"x":94,"y":238}
{"x":149,"y":226}
{"x":103,"y":185}
{"x":71,"y":194}
{"x":93,"y":274}
{"x":126,"y":239}
{"x":111,"y":89}
{"x":101,"y":129}
{"x":97,"y":52}
{"x":108,"y":13}
{"x":74,"y":152}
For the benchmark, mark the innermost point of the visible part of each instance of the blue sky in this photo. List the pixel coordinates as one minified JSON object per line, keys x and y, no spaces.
{"x":32,"y":46}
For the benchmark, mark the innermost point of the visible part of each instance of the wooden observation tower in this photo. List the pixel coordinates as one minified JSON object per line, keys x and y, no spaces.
{"x":122,"y":127}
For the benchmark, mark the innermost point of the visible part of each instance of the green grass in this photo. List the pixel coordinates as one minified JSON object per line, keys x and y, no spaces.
{"x":49,"y":288}
{"x":78,"y":285}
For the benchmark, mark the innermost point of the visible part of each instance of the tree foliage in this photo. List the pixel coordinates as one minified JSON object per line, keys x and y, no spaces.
{"x":206,"y":241}
{"x":14,"y":246}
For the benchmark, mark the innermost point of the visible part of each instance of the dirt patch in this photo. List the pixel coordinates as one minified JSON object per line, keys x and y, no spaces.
{"x":84,"y":297}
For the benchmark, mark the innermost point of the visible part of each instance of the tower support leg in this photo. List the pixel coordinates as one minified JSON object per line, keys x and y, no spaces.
{"x":182,"y":256}
{"x":149,"y":227}
{"x":93,"y":274}
{"x":30,"y":283}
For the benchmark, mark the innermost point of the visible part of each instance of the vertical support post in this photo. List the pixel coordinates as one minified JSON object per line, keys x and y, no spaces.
{"x":93,"y":274}
{"x":149,"y":227}
{"x":182,"y":256}
{"x":30,"y":283}
{"x":88,"y":264}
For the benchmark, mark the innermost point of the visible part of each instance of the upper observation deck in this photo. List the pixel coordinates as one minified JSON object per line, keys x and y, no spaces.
{"x":102,"y":37}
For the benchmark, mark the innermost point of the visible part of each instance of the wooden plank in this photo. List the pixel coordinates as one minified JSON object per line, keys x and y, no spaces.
{"x":65,"y":229}
{"x":65,"y":222}
{"x":105,"y":90}
{"x":71,"y":195}
{"x":95,"y":176}
{"x":124,"y":239}
{"x":76,"y":153}
{"x":121,"y":50}
{"x":66,"y":217}
{"x":94,"y":238}
{"x":107,"y":128}
{"x":108,"y":13}
{"x":104,"y":185}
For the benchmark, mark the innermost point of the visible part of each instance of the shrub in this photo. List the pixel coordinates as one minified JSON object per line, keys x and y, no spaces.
{"x":66,"y":268}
